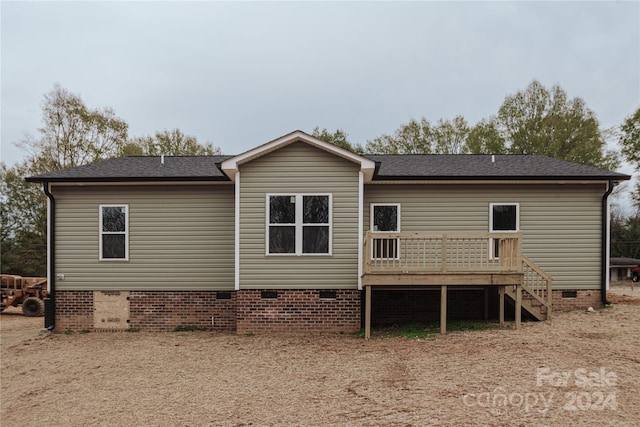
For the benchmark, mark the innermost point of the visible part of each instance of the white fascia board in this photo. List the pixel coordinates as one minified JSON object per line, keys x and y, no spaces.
{"x":230,"y":166}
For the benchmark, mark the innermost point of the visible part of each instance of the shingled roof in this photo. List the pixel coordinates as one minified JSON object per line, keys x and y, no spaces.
{"x":388,"y":167}
{"x":485,"y":167}
{"x":169,"y":168}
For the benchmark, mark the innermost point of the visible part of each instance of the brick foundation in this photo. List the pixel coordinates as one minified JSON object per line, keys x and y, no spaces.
{"x":152,"y":311}
{"x":582,"y":301}
{"x":164,"y":310}
{"x":298,"y":310}
{"x":74,"y":310}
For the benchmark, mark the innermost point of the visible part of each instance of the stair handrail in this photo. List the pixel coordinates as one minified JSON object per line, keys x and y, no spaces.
{"x":547,"y":295}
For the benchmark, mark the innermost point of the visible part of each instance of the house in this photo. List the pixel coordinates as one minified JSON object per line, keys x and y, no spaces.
{"x":620,"y":268}
{"x":298,"y":234}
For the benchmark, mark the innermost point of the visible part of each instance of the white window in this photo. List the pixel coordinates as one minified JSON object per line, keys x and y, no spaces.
{"x":299,"y":224}
{"x":503,"y":218}
{"x":114,"y":232}
{"x":385,"y":218}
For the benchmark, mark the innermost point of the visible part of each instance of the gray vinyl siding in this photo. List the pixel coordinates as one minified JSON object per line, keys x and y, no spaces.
{"x":180,"y":238}
{"x":561,"y":224}
{"x":297,"y":169}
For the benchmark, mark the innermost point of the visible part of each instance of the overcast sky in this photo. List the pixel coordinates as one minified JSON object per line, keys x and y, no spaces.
{"x":241,"y":74}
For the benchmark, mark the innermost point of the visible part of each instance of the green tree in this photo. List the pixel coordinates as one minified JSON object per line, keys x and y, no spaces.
{"x":410,"y":138}
{"x":630,"y":143}
{"x":625,"y":236}
{"x":450,"y":136}
{"x":73,"y":134}
{"x":338,"y":138}
{"x":23,"y":236}
{"x":485,"y":138}
{"x":542,"y":121}
{"x":421,"y":137}
{"x":168,"y":143}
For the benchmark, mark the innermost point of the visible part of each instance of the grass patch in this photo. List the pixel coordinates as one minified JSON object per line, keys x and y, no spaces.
{"x":465,"y":325}
{"x":250,"y":334}
{"x":415,"y":330}
{"x":189,"y":328}
{"x":133,"y":330}
{"x":359,"y":333}
{"x":85,"y":331}
{"x":426,"y":330}
{"x":409,"y":330}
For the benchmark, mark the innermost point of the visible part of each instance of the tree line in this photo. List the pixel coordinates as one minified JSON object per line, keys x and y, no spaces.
{"x":536,"y":120}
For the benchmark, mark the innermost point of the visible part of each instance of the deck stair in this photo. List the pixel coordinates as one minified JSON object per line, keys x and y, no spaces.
{"x":536,"y":290}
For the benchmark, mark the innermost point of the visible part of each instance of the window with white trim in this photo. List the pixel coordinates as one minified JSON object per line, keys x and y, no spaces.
{"x":114,"y":232}
{"x":299,"y":224}
{"x":385,"y":218}
{"x":503,"y":218}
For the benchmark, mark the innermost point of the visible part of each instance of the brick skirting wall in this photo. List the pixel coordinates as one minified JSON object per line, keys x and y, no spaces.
{"x":164,"y":310}
{"x":74,"y":310}
{"x":152,"y":311}
{"x":582,"y":300}
{"x":298,"y":310}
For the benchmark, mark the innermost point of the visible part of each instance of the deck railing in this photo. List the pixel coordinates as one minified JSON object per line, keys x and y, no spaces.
{"x":442,"y":253}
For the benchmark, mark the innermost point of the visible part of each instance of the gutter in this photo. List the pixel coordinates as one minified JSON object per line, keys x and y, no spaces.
{"x":50,"y":301}
{"x":605,"y":243}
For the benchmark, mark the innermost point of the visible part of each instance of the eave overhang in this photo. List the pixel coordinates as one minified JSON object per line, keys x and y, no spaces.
{"x":498,"y":179}
{"x":164,"y":180}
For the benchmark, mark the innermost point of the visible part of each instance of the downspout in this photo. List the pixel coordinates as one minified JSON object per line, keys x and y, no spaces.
{"x":50,"y":301}
{"x":605,"y":243}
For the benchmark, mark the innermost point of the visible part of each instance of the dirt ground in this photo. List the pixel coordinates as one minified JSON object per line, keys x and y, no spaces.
{"x":582,"y":368}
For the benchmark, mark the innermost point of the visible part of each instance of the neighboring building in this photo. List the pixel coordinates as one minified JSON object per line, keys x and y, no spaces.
{"x":290,"y":235}
{"x":620,"y":268}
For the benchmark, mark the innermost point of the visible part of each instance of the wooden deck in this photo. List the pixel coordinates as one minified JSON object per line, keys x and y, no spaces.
{"x":448,"y":260}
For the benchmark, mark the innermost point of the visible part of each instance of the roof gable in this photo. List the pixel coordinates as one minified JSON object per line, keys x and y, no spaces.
{"x":230,"y":166}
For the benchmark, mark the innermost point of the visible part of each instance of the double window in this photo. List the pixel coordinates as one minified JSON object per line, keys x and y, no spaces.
{"x":385,"y":218}
{"x":503,"y":218}
{"x":299,"y":224}
{"x":114,"y":232}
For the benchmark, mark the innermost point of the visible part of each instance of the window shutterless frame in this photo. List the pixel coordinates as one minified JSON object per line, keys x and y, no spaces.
{"x":295,"y":227}
{"x":385,"y":218}
{"x":503,"y":218}
{"x":113,"y":233}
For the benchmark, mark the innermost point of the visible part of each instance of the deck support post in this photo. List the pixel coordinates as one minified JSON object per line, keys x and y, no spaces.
{"x":518,"y":305}
{"x":443,"y":309}
{"x":501,"y":291}
{"x":367,"y":312}
{"x":486,"y":303}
